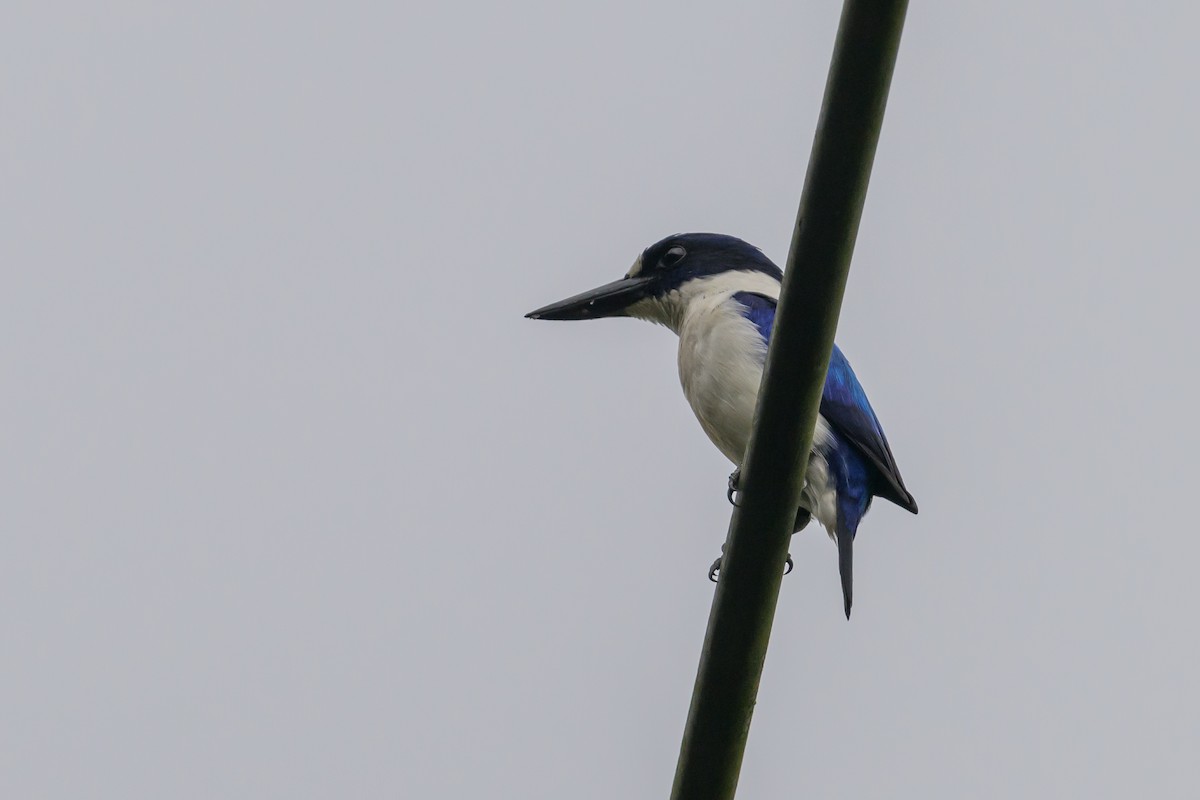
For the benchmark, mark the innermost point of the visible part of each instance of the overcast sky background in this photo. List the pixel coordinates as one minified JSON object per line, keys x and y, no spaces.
{"x":296,"y":504}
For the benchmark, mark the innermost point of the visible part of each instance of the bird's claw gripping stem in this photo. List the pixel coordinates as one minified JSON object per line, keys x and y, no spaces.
{"x":716,"y":565}
{"x":735,"y":478}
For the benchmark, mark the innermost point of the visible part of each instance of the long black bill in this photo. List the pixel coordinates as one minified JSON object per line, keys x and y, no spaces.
{"x":609,"y":300}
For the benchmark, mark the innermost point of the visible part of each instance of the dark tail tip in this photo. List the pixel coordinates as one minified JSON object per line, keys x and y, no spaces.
{"x":846,"y":568}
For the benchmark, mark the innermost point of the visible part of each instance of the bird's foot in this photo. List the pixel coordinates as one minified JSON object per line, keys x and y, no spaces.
{"x":716,"y":566}
{"x":715,"y":569}
{"x":735,"y":478}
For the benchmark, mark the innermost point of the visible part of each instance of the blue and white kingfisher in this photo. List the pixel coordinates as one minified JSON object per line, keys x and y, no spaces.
{"x":719,"y":294}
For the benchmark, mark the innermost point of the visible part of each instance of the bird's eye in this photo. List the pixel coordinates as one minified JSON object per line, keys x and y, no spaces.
{"x":673,"y":256}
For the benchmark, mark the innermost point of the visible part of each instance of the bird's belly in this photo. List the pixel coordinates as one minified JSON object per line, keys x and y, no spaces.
{"x":820,"y":491}
{"x":720,"y":367}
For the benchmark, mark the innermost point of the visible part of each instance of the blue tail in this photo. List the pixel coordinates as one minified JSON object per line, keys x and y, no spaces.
{"x":845,"y":545}
{"x":852,"y":476}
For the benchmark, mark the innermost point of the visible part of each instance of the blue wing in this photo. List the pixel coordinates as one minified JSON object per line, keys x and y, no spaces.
{"x":844,"y":406}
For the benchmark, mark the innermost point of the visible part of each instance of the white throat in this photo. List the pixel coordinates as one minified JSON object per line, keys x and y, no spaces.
{"x":701,"y":295}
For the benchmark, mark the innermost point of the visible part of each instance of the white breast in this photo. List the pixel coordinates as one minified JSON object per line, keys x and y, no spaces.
{"x":720,"y":355}
{"x":720,"y":366}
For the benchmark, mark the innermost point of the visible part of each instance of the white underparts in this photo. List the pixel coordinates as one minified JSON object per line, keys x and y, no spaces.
{"x":720,"y":366}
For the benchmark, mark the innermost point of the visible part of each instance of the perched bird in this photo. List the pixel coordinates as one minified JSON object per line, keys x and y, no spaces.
{"x":719,"y":293}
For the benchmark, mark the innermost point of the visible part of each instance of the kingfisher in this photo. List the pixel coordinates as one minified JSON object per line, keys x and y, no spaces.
{"x":719,"y":295}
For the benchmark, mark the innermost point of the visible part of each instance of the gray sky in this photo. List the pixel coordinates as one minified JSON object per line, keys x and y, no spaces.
{"x":297,"y":504}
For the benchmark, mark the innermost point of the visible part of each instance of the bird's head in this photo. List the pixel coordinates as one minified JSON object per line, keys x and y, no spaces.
{"x":660,"y":277}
